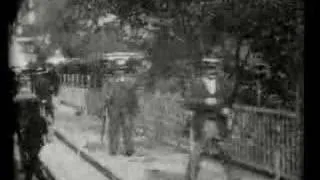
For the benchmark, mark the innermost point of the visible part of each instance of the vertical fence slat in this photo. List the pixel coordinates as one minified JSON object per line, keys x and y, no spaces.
{"x":69,"y":80}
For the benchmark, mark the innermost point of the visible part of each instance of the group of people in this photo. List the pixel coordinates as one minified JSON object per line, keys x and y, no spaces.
{"x":35,"y":118}
{"x":210,"y":97}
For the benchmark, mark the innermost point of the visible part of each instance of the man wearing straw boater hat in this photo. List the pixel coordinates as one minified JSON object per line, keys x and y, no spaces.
{"x":122,"y":105}
{"x":209,"y":98}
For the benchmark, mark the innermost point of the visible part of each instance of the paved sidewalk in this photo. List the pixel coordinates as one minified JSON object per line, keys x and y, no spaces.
{"x":156,"y":163}
{"x":66,"y":165}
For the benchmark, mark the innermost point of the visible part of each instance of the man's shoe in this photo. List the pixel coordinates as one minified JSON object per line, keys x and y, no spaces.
{"x":129,"y":153}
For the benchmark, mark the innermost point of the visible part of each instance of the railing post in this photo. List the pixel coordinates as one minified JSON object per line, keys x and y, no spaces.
{"x":69,"y":79}
{"x":77,"y":80}
{"x":64,"y":79}
{"x":73,"y":80}
{"x":88,"y":81}
{"x":82,"y":81}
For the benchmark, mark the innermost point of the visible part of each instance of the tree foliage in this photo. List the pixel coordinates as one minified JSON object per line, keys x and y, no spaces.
{"x":184,"y":31}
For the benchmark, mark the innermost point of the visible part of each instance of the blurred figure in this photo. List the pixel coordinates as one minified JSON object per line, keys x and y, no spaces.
{"x":46,"y":85}
{"x":209,"y":98}
{"x":15,"y":86}
{"x":54,"y":79}
{"x":31,"y":131}
{"x":122,"y":105}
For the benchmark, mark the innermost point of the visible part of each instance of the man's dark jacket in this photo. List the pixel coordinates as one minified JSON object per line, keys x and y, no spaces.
{"x":46,"y":85}
{"x":197,"y":93}
{"x":122,"y":95}
{"x":195,"y":100}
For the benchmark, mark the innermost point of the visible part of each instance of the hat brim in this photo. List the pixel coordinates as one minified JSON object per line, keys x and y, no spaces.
{"x":211,"y":60}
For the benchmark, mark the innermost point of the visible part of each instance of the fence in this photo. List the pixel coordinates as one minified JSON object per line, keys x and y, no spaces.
{"x":259,"y":134}
{"x":262,"y":133}
{"x":74,"y":90}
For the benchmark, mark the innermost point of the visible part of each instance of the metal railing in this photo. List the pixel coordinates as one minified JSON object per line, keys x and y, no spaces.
{"x":77,"y":80}
{"x":268,"y":138}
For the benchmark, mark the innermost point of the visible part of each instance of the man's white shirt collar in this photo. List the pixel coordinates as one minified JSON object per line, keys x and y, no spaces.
{"x":211,"y":84}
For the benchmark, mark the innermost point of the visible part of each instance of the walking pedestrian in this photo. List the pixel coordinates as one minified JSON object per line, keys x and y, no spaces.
{"x":122,"y":106}
{"x":46,"y":84}
{"x":209,"y":98}
{"x":32,"y":128}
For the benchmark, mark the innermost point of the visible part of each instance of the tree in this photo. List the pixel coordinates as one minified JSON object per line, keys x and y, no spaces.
{"x":185,"y":31}
{"x":71,"y":29}
{"x":188,"y":29}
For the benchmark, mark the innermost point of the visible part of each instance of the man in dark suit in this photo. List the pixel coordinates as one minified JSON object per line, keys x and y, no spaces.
{"x":122,"y":106}
{"x":46,"y":84}
{"x":209,"y":96}
{"x":31,"y":129}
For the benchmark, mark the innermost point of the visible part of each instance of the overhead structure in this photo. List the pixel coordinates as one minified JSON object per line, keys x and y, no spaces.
{"x":19,"y":54}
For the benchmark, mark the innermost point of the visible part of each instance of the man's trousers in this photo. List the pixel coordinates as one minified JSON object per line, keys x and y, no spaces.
{"x":120,"y":122}
{"x":205,"y":131}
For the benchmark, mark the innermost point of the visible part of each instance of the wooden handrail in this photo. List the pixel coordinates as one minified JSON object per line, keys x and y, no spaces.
{"x":265,"y":110}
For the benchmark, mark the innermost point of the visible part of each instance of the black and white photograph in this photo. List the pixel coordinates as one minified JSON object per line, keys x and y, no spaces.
{"x":158,"y":89}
